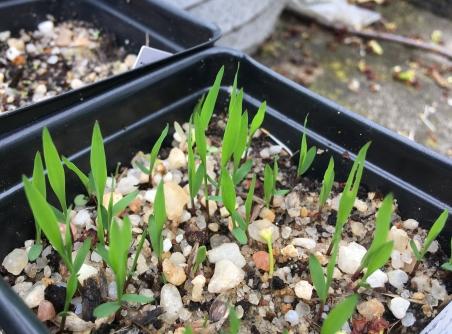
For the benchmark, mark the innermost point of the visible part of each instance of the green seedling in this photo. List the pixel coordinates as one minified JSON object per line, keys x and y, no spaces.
{"x":382,"y":225}
{"x":153,"y":155}
{"x":195,"y":176}
{"x":256,"y":123}
{"x":448,"y":265}
{"x":270,"y":177}
{"x":157,"y":222}
{"x":208,"y":106}
{"x":348,"y":196}
{"x":200,"y":258}
{"x":306,"y":156}
{"x":228,"y":196}
{"x":327,"y":184}
{"x":46,"y":218}
{"x":39,"y":181}
{"x":267,"y":235}
{"x":375,"y":260}
{"x":435,"y":230}
{"x":234,"y":321}
{"x":120,"y":238}
{"x":339,"y":315}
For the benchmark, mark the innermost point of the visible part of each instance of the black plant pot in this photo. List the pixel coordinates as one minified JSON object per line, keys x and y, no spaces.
{"x":132,"y":23}
{"x":132,"y":115}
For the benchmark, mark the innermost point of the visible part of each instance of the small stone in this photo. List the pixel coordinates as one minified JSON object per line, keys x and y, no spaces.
{"x":408,"y":320}
{"x":16,"y":261}
{"x":289,"y":251}
{"x":82,"y":218}
{"x":268,"y":214}
{"x":397,"y":278}
{"x":254,"y":298}
{"x":377,"y":279}
{"x":95,"y":257}
{"x":171,"y":302}
{"x":116,"y":197}
{"x":175,"y":200}
{"x":292,"y":318}
{"x":149,"y":195}
{"x":200,"y":222}
{"x":265,"y":153}
{"x":410,"y":224}
{"x":438,"y":290}
{"x":399,"y":306}
{"x":303,"y":290}
{"x":86,"y":271}
{"x":46,"y":311}
{"x":293,"y":205}
{"x":52,"y":60}
{"x":421,"y":283}
{"x":217,"y":240}
{"x":304,"y":212}
{"x":371,"y":309}
{"x":76,"y":83}
{"x":173,"y":273}
{"x":214,"y":227}
{"x":167,"y":245}
{"x":198,"y":285}
{"x":286,"y":231}
{"x":176,"y":159}
{"x":213,"y":207}
{"x":358,"y":229}
{"x":226,"y":276}
{"x":400,"y":238}
{"x":35,"y":295}
{"x":46,"y":28}
{"x":178,"y":258}
{"x":112,"y":291}
{"x":350,"y":257}
{"x":261,"y":260}
{"x":396,"y":259}
{"x":361,"y":206}
{"x":278,"y":201}
{"x":304,"y":242}
{"x":76,"y":324}
{"x":142,"y":266}
{"x":434,"y":246}
{"x":228,"y":251}
{"x":224,"y":212}
{"x":130,"y":60}
{"x":255,"y":228}
{"x":127,"y":185}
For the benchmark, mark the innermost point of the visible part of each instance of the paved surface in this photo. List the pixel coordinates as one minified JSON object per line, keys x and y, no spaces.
{"x":329,"y":64}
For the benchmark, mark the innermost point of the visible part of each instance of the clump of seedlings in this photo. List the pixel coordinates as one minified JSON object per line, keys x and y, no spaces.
{"x":219,"y":233}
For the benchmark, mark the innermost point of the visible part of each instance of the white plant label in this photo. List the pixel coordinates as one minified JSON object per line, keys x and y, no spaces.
{"x":150,"y":55}
{"x":442,"y":324}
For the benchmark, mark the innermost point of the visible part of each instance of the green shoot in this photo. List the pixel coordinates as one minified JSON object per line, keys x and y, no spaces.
{"x":448,"y":265}
{"x":39,"y":181}
{"x":435,"y":230}
{"x":339,"y":315}
{"x":349,"y":194}
{"x":266,"y":234}
{"x":377,"y":259}
{"x":45,"y":217}
{"x":240,"y":145}
{"x":120,"y":239}
{"x":327,"y":184}
{"x":382,"y":225}
{"x":209,"y":102}
{"x":256,"y":123}
{"x":87,"y":183}
{"x":228,"y":196}
{"x":306,"y":156}
{"x":55,"y":170}
{"x":157,"y":222}
{"x":195,"y":176}
{"x":269,"y":185}
{"x":153,"y":155}
{"x":200,"y":258}
{"x":249,"y":200}
{"x":241,"y":172}
{"x":230,"y":137}
{"x":234,"y":321}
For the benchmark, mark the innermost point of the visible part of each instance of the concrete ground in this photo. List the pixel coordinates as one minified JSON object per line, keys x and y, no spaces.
{"x":344,"y":69}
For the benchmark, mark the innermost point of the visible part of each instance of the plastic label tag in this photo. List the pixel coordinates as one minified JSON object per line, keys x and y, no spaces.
{"x":150,"y":55}
{"x":442,"y":324}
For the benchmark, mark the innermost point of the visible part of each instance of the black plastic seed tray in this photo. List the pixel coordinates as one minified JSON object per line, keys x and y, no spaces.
{"x":132,"y":23}
{"x":132,"y":115}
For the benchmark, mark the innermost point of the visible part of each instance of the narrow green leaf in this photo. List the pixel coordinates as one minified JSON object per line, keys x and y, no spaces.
{"x":44,"y":216}
{"x":34,"y":252}
{"x":198,"y":179}
{"x":378,"y":258}
{"x":415,"y":250}
{"x":188,"y":330}
{"x":200,"y":257}
{"x":106,"y":309}
{"x":123,"y":203}
{"x":71,"y":288}
{"x":317,"y":277}
{"x":447,"y":266}
{"x":120,"y":239}
{"x":233,"y":125}
{"x":242,"y":138}
{"x":281,"y":192}
{"x":435,"y":230}
{"x":157,"y":221}
{"x":249,"y":199}
{"x":258,"y":119}
{"x":81,"y":255}
{"x":82,"y":176}
{"x":239,"y":220}
{"x":234,"y":321}
{"x":200,"y":138}
{"x":327,"y":185}
{"x":134,"y":298}
{"x":268,"y":184}
{"x":209,"y":103}
{"x":242,"y":172}
{"x":98,"y":162}
{"x":142,"y":167}
{"x":228,"y":191}
{"x":339,"y":315}
{"x":156,"y":148}
{"x":240,"y":235}
{"x":103,"y":252}
{"x":55,"y":170}
{"x":39,"y":178}
{"x":309,"y":159}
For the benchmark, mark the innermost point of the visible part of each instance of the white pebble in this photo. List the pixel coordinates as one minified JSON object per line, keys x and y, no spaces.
{"x":377,"y":279}
{"x":397,"y":278}
{"x":303,"y":289}
{"x":399,"y":306}
{"x":408,"y":320}
{"x":292,"y":317}
{"x":410,"y":224}
{"x":16,"y":261}
{"x":350,"y":257}
{"x":229,"y":251}
{"x":304,"y":242}
{"x":46,"y":28}
{"x":167,"y":244}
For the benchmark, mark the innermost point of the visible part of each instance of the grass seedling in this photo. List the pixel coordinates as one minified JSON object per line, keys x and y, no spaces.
{"x":195,"y":176}
{"x":46,"y":218}
{"x":256,"y":123}
{"x":306,"y":156}
{"x":157,"y":222}
{"x":339,"y":315}
{"x":327,"y":184}
{"x":120,"y":238}
{"x":270,"y":177}
{"x":199,"y":259}
{"x":234,"y":321}
{"x":228,"y":196}
{"x":435,"y":230}
{"x":267,"y":235}
{"x":153,"y":155}
{"x":448,"y":265}
{"x":348,"y":196}
{"x":382,"y":225}
{"x":39,"y":181}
